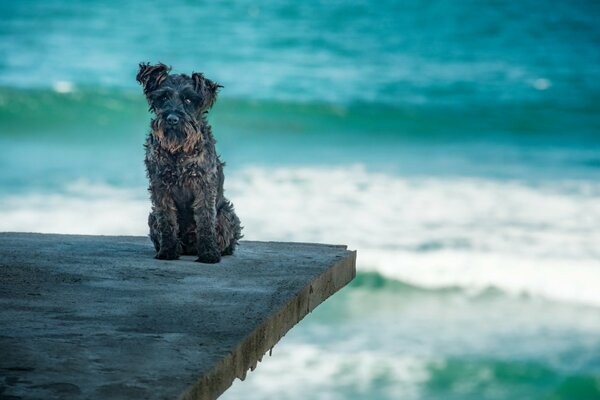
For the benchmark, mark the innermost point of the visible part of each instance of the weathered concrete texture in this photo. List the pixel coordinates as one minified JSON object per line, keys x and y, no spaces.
{"x":96,"y":317}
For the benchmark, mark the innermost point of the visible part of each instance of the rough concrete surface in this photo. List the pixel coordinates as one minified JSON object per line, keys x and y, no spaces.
{"x":96,"y":317}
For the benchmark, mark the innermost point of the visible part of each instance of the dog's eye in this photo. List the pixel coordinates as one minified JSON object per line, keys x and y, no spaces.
{"x":187,"y":101}
{"x":163,"y":98}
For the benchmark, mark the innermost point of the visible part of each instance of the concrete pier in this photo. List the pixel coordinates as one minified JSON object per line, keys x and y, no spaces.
{"x":96,"y":317}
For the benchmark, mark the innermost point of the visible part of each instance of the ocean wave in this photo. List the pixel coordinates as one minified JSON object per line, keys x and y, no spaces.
{"x":81,"y":207}
{"x":437,"y":232}
{"x":431,"y":233}
{"x":335,"y":375}
{"x":101,"y":113}
{"x":464,"y":378}
{"x":352,"y":374}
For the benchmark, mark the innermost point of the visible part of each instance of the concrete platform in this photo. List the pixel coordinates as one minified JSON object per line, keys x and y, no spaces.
{"x":96,"y":317}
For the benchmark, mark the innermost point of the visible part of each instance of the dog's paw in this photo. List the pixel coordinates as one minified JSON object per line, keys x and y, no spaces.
{"x":167,"y":255}
{"x":209,"y":257}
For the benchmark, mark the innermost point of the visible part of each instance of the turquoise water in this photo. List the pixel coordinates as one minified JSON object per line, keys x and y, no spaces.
{"x":455,"y":145}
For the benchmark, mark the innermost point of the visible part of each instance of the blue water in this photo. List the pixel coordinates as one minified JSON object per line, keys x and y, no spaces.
{"x":455,"y":145}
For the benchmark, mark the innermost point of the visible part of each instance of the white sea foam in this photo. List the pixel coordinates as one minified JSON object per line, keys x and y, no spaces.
{"x":433,"y":232}
{"x":331,"y":374}
{"x":81,"y":207}
{"x":63,"y":87}
{"x":541,"y":84}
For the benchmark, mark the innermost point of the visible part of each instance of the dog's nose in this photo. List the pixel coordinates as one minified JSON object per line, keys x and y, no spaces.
{"x":172,"y":119}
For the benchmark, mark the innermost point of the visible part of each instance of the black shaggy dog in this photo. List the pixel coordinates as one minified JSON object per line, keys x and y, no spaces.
{"x":189,"y":214}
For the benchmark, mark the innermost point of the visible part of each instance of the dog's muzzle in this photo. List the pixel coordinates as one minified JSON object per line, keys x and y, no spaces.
{"x":172,"y":119}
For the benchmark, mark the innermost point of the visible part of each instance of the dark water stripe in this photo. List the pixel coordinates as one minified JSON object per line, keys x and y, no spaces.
{"x":374,"y":281}
{"x":463,"y":378}
{"x":37,"y":111}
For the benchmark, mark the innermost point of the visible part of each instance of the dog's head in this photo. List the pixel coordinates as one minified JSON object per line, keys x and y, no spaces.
{"x":179,"y":103}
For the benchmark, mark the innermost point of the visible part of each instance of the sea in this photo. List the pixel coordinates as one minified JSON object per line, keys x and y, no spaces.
{"x":455,"y":144}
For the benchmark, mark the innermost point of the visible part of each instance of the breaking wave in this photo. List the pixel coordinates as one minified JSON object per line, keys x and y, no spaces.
{"x":433,"y":233}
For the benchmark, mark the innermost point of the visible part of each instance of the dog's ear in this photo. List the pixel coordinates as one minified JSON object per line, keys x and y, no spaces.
{"x":207,"y":88}
{"x":151,"y":76}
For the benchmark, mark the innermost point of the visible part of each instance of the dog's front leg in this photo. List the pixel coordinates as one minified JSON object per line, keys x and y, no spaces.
{"x":206,"y":234}
{"x":165,"y":216}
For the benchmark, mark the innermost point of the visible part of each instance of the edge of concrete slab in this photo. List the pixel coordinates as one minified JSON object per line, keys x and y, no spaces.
{"x":319,"y":278}
{"x":250,"y":351}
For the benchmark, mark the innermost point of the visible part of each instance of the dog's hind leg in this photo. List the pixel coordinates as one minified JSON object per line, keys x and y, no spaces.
{"x":154,"y":234}
{"x":229,"y":230}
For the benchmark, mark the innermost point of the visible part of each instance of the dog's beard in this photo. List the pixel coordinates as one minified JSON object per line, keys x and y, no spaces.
{"x":182,"y":138}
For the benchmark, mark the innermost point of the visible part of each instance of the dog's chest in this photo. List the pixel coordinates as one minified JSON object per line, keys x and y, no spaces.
{"x":182,"y":171}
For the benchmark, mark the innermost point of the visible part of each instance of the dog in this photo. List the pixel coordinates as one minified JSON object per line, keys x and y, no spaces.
{"x":190,"y":215}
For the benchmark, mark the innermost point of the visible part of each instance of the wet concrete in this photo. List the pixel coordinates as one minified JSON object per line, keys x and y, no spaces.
{"x":96,"y":317}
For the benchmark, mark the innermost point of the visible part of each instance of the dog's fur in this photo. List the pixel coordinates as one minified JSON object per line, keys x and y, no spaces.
{"x":189,"y":214}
